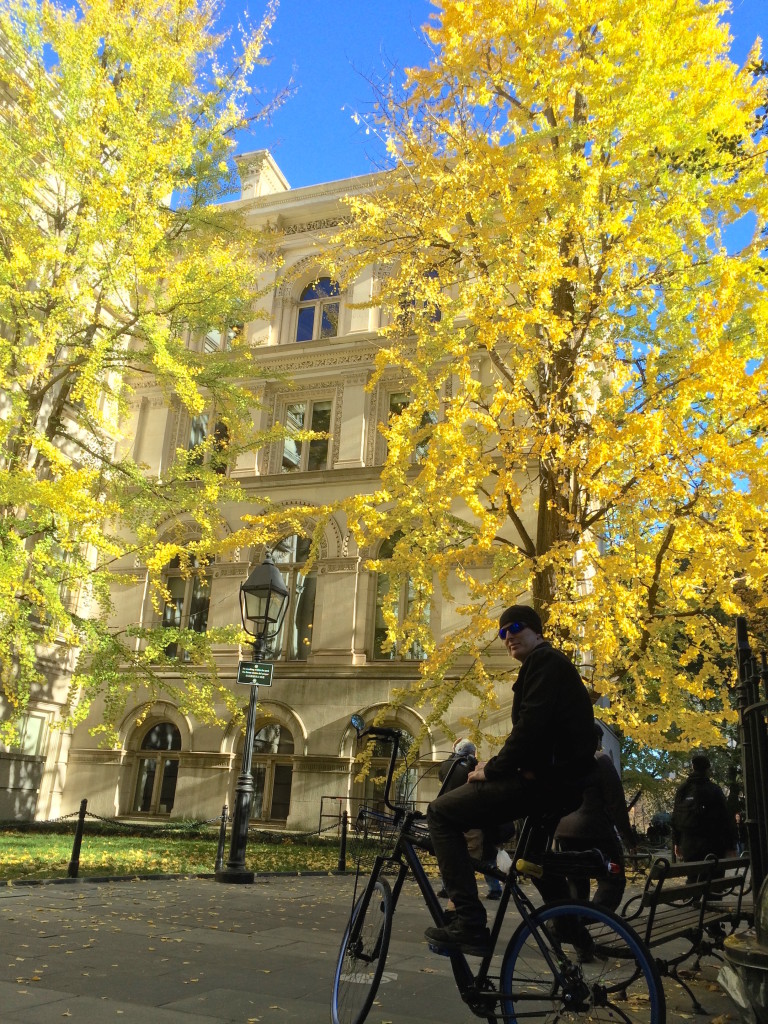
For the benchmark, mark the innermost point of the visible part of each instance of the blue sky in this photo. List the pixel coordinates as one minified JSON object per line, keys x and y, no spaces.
{"x":331,"y":49}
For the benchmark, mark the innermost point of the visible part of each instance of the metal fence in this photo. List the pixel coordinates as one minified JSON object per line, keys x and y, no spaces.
{"x":332,"y":810}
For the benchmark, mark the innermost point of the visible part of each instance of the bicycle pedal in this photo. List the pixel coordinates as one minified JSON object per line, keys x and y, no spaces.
{"x":441,"y":950}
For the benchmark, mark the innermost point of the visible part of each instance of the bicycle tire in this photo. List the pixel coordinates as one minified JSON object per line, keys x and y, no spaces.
{"x":361,"y":963}
{"x":611,"y":976}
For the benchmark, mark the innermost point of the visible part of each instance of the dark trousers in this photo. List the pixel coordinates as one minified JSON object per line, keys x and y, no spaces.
{"x":481,"y":805}
{"x":609,"y":889}
{"x":695,"y":847}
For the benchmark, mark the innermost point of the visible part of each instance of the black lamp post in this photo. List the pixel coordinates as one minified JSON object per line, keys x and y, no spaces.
{"x":263,"y":604}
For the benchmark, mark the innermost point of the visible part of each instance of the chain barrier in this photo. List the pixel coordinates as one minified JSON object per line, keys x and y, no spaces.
{"x":175,"y":826}
{"x":293,"y":835}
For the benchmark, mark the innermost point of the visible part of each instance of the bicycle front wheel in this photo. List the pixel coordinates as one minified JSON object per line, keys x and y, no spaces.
{"x":601,"y":972}
{"x":362,"y":955}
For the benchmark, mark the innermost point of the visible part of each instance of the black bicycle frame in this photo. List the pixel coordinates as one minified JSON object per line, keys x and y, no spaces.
{"x":406,"y":856}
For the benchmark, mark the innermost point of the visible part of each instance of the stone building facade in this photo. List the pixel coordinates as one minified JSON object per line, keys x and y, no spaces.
{"x":316,"y":346}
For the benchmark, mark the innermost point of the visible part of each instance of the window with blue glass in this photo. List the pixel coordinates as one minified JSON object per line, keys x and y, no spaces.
{"x":318,"y":311}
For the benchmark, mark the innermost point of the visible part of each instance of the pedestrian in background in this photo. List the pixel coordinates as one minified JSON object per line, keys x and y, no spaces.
{"x":597,"y":823}
{"x":701,"y":823}
{"x":481,"y":846}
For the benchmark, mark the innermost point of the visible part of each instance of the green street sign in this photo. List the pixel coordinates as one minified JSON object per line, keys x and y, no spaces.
{"x":254,"y":673}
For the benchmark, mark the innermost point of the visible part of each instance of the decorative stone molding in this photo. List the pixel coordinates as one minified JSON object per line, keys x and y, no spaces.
{"x":224,"y":571}
{"x":173,"y":425}
{"x":296,"y":357}
{"x":211,"y":759}
{"x":321,"y":224}
{"x":137,"y":570}
{"x":80,"y":755}
{"x":339,"y":565}
{"x":259,"y":175}
{"x":333,"y":532}
{"x":287,"y":290}
{"x":312,"y":766}
{"x":356,"y":379}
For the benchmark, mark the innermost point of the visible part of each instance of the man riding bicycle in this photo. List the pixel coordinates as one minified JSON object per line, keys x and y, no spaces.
{"x":539,"y":770}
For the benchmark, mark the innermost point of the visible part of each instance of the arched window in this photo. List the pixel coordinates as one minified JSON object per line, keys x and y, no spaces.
{"x":190,"y":600}
{"x":272,"y":769}
{"x":158,"y":770}
{"x":295,"y":640}
{"x":405,"y":600}
{"x":318,"y":311}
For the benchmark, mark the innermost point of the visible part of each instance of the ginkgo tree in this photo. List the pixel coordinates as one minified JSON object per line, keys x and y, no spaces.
{"x":117,"y":136}
{"x":573,"y":285}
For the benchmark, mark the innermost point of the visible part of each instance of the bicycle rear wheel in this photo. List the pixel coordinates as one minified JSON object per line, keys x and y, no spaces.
{"x":362,"y":955}
{"x":607,"y":973}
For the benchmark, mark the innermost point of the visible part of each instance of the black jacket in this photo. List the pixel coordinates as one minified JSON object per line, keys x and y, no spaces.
{"x":715,"y":831}
{"x":603,"y":809}
{"x":466,"y":764}
{"x":553,"y":733}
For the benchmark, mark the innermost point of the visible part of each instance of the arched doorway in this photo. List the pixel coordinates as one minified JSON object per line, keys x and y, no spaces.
{"x":157,"y":770}
{"x":272,"y":770}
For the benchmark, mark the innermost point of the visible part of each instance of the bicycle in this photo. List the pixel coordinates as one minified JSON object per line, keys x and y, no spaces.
{"x":567,"y":961}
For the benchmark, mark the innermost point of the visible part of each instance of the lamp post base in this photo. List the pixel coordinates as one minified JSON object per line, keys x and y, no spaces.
{"x":234,"y":876}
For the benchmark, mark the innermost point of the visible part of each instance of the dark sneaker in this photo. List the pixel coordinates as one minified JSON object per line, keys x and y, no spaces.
{"x":455,"y":936}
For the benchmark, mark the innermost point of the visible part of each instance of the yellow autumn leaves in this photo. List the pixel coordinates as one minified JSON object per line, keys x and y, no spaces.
{"x":569,"y":174}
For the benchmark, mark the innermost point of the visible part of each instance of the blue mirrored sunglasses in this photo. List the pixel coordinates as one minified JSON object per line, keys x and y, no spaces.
{"x":511,"y":628}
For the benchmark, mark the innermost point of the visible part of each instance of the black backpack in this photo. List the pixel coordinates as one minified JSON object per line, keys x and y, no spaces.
{"x":690,"y":813}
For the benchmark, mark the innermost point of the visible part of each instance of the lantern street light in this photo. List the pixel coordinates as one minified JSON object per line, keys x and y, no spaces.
{"x":263,"y":604}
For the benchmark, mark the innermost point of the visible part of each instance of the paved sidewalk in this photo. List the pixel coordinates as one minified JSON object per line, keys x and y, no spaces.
{"x":193,"y":951}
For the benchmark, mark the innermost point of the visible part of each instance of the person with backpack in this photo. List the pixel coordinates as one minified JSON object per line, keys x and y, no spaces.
{"x":480,"y":844}
{"x":597,"y":823}
{"x":701,"y":823}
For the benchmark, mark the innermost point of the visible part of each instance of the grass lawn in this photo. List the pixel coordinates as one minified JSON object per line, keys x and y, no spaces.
{"x":27,"y":854}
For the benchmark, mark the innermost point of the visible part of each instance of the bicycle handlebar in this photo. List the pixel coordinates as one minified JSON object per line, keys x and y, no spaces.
{"x":377,"y":732}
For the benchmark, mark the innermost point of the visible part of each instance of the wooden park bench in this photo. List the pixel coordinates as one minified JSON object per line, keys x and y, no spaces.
{"x":693,"y":904}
